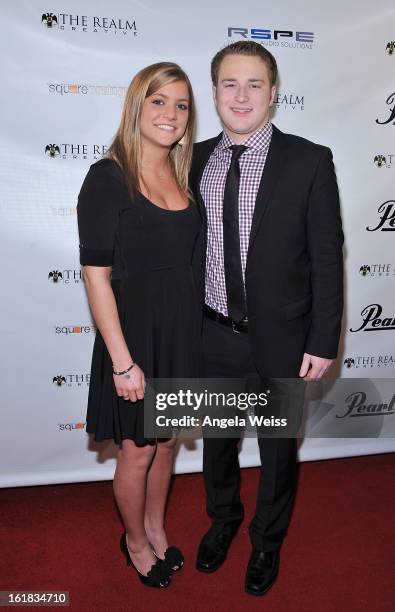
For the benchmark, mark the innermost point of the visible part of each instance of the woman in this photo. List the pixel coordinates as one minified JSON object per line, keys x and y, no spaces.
{"x":138,"y":229}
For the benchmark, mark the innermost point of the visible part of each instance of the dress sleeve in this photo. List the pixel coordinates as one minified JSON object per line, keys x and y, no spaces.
{"x":99,"y":203}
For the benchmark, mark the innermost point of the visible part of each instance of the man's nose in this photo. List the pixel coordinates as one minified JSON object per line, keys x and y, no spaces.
{"x":242,"y":93}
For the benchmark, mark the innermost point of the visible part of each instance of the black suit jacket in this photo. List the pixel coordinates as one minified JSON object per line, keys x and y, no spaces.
{"x":294,"y":270}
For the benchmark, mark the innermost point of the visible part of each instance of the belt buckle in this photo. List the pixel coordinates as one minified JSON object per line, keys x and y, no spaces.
{"x":236,"y":331}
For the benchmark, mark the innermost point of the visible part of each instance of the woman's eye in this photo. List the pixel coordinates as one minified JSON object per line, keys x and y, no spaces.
{"x":157,"y":101}
{"x":182,"y":106}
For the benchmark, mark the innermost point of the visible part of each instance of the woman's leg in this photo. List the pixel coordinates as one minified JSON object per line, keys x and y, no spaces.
{"x":130,"y":485}
{"x":156,"y":496}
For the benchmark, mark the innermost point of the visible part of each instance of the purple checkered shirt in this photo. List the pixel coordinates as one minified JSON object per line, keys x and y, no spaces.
{"x":212,"y":186}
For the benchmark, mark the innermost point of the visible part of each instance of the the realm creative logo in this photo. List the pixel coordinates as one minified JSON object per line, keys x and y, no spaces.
{"x":52,"y":150}
{"x":71,"y":330}
{"x":390,"y":48}
{"x":71,"y":380}
{"x":377,"y":270}
{"x":275,"y":38}
{"x":67,"y":276}
{"x":358,"y":406}
{"x":372,"y":320}
{"x":289,"y":101}
{"x":370,"y":361}
{"x":386,"y":212}
{"x":64,"y":89}
{"x":390,"y":100}
{"x":75,"y":151}
{"x":364,"y":270}
{"x":49,"y":19}
{"x":384,"y":161}
{"x":71,"y":426}
{"x":89,"y":23}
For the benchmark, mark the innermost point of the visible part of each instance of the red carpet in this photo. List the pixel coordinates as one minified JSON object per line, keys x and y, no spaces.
{"x":338,"y":555}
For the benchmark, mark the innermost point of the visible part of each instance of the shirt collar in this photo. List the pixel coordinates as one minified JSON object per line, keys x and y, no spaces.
{"x":259,"y":141}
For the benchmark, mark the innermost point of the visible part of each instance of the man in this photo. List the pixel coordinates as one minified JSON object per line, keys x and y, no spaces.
{"x":271,"y":259}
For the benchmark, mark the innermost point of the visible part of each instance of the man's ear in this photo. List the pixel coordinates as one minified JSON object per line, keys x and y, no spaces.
{"x":273,"y":92}
{"x":214,"y":90}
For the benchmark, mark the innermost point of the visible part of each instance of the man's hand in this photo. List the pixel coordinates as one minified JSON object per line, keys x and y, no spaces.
{"x":314,"y":367}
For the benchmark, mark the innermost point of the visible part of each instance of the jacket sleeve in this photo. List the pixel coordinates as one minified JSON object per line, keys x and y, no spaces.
{"x":325,"y":241}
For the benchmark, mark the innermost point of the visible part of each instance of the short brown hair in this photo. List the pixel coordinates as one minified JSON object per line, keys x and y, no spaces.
{"x":249,"y":48}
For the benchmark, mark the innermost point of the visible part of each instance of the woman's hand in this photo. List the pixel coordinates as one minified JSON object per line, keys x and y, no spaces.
{"x":130,"y":386}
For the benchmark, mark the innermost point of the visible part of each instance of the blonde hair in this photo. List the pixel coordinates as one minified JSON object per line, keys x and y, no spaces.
{"x":126,"y":148}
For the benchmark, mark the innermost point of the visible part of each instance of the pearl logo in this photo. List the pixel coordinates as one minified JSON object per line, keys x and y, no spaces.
{"x":373,"y":321}
{"x":386,"y":212}
{"x":389,"y":101}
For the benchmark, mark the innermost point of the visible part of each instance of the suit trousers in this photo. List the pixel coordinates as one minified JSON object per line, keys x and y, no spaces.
{"x":227,"y":354}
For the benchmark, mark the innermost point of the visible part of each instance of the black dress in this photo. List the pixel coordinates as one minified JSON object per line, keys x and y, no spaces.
{"x":150,"y":250}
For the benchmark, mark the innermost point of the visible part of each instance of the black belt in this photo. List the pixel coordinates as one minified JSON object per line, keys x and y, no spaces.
{"x":241,"y":326}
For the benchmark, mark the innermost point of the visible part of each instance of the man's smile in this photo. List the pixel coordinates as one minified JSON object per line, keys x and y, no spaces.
{"x":240,"y":111}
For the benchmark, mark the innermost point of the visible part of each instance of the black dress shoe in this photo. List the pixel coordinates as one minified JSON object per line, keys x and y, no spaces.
{"x":262,"y":571}
{"x":214,"y":546}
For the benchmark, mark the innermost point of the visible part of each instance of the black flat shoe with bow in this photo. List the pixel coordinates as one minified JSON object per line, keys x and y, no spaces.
{"x":159,"y":576}
{"x":174,"y":559}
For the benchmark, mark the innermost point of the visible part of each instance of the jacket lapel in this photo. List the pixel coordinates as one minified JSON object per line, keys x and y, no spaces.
{"x":275,"y":162}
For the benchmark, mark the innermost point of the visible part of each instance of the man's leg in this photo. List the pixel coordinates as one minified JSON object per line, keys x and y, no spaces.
{"x":277,"y":485}
{"x":221,"y":471}
{"x":278,"y":473}
{"x":276,"y":492}
{"x":226,"y":354}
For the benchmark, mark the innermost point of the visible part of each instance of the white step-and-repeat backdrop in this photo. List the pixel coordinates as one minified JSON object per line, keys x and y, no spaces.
{"x":65,"y":69}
